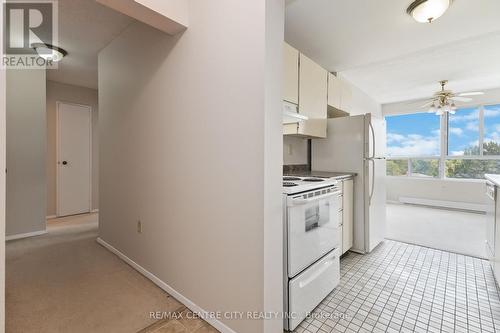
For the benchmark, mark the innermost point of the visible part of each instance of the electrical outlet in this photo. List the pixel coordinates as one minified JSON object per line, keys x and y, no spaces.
{"x":139,"y":227}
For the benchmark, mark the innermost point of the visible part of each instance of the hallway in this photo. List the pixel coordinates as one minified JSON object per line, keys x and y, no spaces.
{"x":65,"y":282}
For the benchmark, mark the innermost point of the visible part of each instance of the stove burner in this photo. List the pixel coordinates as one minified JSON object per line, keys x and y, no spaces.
{"x":313,"y":180}
{"x":289,"y":184}
{"x":288,"y":178}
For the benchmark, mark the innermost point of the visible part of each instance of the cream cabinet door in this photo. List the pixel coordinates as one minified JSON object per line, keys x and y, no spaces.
{"x":290,"y":74}
{"x":313,"y":92}
{"x":345,"y":96}
{"x":334,"y":91}
{"x":347,"y":215}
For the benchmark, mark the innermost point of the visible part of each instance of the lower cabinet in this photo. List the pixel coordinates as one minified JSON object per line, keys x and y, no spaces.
{"x":347,"y":225}
{"x":496,"y":254}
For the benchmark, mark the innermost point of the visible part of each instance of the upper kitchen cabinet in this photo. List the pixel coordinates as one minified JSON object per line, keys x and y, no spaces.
{"x":345,"y":96}
{"x":334,"y":91}
{"x":313,"y":92}
{"x":339,"y":97}
{"x":306,"y":85}
{"x":290,"y":74}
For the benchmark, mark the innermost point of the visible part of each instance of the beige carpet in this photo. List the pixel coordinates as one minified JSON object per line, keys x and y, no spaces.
{"x":448,"y":230}
{"x":65,"y":282}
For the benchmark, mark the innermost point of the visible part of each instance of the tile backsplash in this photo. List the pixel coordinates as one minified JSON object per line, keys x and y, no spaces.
{"x":294,"y":150}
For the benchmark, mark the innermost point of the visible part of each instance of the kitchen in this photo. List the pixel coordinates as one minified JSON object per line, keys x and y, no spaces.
{"x":335,"y":185}
{"x":342,"y":211}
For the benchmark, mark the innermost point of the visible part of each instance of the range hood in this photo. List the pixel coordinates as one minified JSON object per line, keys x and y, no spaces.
{"x":291,"y":115}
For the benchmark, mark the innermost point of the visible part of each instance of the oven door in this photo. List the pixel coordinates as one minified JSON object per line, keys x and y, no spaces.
{"x":313,"y":227}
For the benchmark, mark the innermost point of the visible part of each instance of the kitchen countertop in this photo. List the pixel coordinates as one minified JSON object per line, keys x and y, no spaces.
{"x":325,"y":174}
{"x":493,"y":178}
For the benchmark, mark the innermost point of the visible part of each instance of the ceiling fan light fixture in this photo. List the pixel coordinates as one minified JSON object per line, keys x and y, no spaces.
{"x":426,"y":11}
{"x":432,"y":109}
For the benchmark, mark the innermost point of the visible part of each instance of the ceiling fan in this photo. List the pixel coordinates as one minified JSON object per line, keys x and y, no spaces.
{"x":444,"y":100}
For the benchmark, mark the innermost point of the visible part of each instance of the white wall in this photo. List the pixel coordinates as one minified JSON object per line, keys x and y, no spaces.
{"x":71,"y":94}
{"x":26,"y":151}
{"x":2,"y":186}
{"x":273,"y":164}
{"x":468,"y":191}
{"x":176,"y":10}
{"x":170,"y":16}
{"x":361,"y":102}
{"x":190,"y":144}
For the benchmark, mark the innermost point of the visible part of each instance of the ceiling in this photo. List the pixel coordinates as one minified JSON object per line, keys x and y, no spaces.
{"x":391,"y":57}
{"x":85,"y":27}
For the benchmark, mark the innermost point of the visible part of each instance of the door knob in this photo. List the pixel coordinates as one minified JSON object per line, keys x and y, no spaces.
{"x":64,"y":162}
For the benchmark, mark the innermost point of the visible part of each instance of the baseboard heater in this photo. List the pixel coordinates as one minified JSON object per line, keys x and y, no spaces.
{"x":455,"y":205}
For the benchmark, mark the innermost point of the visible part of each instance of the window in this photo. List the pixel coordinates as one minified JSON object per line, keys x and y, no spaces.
{"x":413,"y":145}
{"x":491,"y":141}
{"x":471,"y":168}
{"x":471,"y":144}
{"x":397,"y":167}
{"x":425,"y":167}
{"x":413,"y":135}
{"x":463,"y":132}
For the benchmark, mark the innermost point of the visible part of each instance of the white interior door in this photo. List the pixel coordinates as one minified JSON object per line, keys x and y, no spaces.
{"x":73,"y":159}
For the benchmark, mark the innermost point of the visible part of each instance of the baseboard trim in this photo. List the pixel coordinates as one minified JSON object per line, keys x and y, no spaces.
{"x":94,"y":211}
{"x":25,"y":235}
{"x":49,"y":217}
{"x":463,"y":206}
{"x":221,"y":327}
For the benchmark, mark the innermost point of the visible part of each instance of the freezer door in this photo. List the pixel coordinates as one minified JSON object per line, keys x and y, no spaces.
{"x":376,"y":136}
{"x":344,"y":148}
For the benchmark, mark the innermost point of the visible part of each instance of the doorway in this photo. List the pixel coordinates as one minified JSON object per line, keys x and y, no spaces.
{"x":74,"y":159}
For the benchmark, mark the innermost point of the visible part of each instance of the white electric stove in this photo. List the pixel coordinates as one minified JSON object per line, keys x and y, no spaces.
{"x":311,"y":210}
{"x":295,"y":184}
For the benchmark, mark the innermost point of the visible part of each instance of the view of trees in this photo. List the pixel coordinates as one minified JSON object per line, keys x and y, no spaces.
{"x":475,"y":168}
{"x":425,"y":168}
{"x":454,"y":168}
{"x":397,"y":167}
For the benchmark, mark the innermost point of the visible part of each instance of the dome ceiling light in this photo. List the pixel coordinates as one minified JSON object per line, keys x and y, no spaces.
{"x":426,"y":11}
{"x":49,"y":52}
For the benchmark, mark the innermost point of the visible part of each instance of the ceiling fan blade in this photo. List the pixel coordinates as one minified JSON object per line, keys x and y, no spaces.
{"x":472,"y":93}
{"x":461,"y":99}
{"x":427,"y":104}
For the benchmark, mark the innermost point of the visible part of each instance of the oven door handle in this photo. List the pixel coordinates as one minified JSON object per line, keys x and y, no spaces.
{"x":302,"y":201}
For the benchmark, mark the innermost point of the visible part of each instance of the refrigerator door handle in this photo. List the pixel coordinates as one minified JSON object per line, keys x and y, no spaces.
{"x":373,"y":139}
{"x":372,"y":182}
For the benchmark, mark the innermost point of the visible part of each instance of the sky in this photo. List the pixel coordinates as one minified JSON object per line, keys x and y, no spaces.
{"x":418,"y":134}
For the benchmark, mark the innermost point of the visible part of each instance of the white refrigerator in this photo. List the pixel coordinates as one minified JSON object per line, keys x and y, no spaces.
{"x":357,"y":144}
